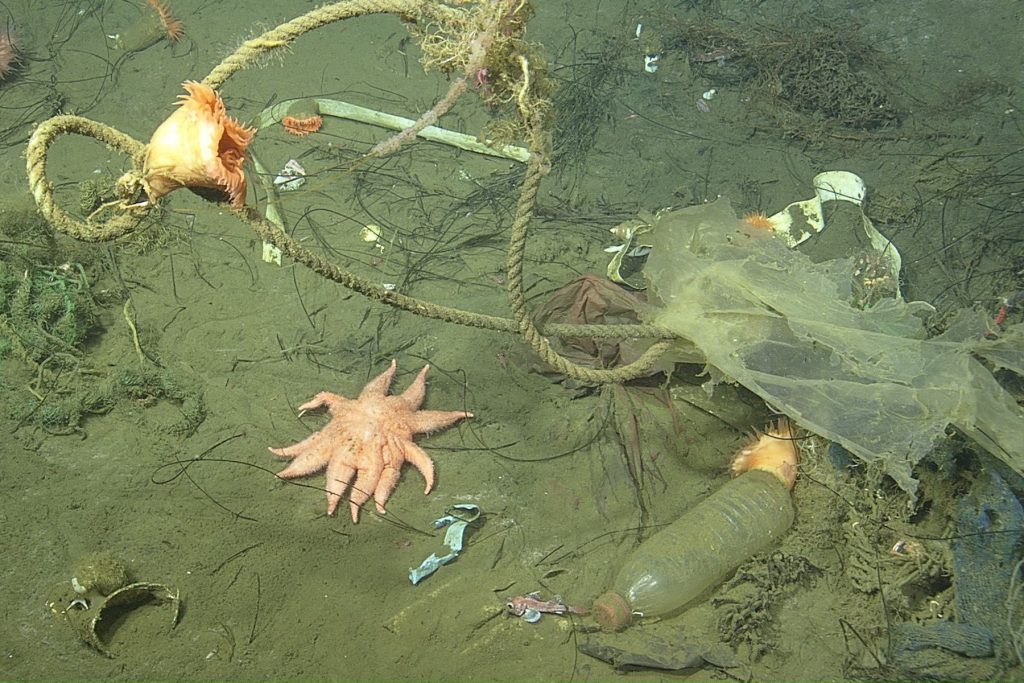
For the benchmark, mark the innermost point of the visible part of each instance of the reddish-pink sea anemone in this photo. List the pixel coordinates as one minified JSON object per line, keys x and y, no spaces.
{"x":8,"y":52}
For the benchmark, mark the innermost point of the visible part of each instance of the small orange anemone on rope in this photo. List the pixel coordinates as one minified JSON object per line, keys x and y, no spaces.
{"x":9,"y":52}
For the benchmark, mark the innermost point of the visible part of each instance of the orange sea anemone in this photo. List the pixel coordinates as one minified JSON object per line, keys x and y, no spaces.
{"x":173,"y":28}
{"x":756,"y":219}
{"x":303,"y":117}
{"x":155,"y":24}
{"x":302,"y":127}
{"x":772,"y":450}
{"x":199,"y":147}
{"x":8,"y":52}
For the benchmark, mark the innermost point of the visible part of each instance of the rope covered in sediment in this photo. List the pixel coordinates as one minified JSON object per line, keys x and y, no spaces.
{"x":42,"y":190}
{"x":271,"y":233}
{"x":292,"y":248}
{"x":536,"y":168}
{"x":284,"y":34}
{"x":130,"y":217}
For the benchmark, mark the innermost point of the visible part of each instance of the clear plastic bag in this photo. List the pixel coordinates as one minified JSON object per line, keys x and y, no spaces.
{"x":767,"y":317}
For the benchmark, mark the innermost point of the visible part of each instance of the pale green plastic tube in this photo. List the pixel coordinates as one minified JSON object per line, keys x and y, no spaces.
{"x":344,"y":110}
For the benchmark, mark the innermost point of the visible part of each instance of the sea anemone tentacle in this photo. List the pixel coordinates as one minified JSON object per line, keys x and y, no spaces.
{"x":773,"y":450}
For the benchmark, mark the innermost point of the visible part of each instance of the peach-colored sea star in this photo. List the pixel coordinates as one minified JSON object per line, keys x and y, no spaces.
{"x":368,"y":438}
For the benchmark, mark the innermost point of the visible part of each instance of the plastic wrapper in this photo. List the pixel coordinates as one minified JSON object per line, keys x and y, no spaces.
{"x":593,"y":300}
{"x":767,"y":317}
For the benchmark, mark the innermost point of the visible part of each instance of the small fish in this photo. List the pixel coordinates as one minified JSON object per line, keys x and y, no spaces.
{"x":530,"y":608}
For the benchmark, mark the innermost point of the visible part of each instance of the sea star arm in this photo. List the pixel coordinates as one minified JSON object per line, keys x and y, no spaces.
{"x":419,"y":459}
{"x":378,"y":386}
{"x":324,"y":398}
{"x":339,"y":473}
{"x":310,"y":455}
{"x":425,"y":421}
{"x":413,"y":395}
{"x":388,"y":481}
{"x":364,"y":486}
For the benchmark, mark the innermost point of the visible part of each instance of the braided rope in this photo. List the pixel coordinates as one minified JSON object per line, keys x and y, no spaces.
{"x":535,"y":170}
{"x":286,"y":33}
{"x":42,"y":190}
{"x":129,"y":219}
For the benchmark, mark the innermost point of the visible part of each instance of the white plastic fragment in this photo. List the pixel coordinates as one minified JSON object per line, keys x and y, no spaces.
{"x":291,"y":177}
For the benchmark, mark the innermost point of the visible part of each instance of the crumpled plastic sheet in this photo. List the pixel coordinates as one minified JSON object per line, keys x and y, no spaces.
{"x":453,"y":538}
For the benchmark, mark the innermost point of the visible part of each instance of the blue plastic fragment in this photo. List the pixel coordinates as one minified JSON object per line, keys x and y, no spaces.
{"x":531,"y":616}
{"x":452,"y":538}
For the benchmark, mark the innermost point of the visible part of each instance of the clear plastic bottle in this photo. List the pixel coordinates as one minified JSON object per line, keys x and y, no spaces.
{"x":699,"y":550}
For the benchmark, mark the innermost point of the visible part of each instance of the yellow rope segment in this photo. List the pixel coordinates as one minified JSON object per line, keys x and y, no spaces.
{"x":42,"y":190}
{"x":128,"y":218}
{"x":286,"y":33}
